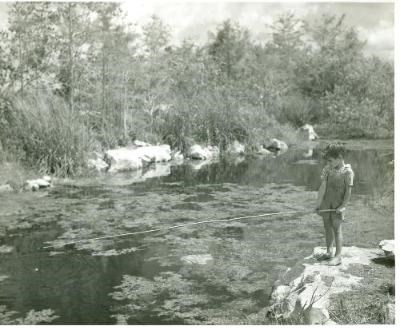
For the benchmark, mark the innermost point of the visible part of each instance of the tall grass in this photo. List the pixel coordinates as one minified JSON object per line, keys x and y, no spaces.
{"x":46,"y":134}
{"x":42,"y":131}
{"x":217,"y":118}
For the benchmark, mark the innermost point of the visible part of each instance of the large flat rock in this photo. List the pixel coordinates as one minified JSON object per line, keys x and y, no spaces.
{"x":126,"y":159}
{"x":310,"y":291}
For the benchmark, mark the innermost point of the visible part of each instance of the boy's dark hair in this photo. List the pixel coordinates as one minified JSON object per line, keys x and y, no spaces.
{"x":334,"y":150}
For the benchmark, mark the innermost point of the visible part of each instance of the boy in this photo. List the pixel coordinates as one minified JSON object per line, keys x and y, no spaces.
{"x":334,"y":193}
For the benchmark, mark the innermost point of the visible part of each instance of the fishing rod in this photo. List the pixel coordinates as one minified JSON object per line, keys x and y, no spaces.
{"x":187,"y":224}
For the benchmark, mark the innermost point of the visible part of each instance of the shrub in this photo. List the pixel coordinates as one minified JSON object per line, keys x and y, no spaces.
{"x":350,"y":117}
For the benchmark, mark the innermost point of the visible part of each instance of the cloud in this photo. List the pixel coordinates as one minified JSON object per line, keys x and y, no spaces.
{"x":193,"y":20}
{"x":3,"y":15}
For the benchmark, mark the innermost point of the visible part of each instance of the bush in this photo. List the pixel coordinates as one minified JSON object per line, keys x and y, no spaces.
{"x":349,"y":117}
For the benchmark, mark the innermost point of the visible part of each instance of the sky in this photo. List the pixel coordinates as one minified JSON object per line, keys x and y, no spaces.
{"x":193,"y":20}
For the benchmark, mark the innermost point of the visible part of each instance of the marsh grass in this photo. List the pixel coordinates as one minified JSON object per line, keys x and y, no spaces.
{"x":45,"y":134}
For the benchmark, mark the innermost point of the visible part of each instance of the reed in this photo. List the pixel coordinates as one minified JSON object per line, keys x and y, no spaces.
{"x":48,"y":135}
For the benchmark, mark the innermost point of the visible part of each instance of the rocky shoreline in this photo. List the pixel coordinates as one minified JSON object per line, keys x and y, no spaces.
{"x":306,"y":290}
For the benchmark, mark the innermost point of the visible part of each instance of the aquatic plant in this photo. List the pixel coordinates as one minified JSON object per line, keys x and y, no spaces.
{"x":32,"y":317}
{"x":114,"y":252}
{"x":168,"y":295}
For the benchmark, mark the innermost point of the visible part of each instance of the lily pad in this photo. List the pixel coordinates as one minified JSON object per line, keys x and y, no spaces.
{"x":6,"y":249}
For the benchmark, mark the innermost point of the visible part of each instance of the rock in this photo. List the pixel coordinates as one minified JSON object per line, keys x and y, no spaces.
{"x":6,"y":188}
{"x":387,"y":246}
{"x":279,"y":294}
{"x":203,"y":153}
{"x":139,"y":143}
{"x":309,"y":293}
{"x":276,"y":145}
{"x":263,"y":151}
{"x":390,"y":313}
{"x":97,"y":164}
{"x":47,"y":178}
{"x":307,"y":133}
{"x":124,"y":159}
{"x":236,"y":148}
{"x":160,"y":153}
{"x":177,"y":156}
{"x":37,"y":184}
{"x":197,"y":259}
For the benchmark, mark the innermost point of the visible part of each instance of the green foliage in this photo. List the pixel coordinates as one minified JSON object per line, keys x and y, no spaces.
{"x":48,"y":135}
{"x":32,"y":318}
{"x":228,"y":47}
{"x":132,"y":84}
{"x":352,"y":118}
{"x":169,"y":296}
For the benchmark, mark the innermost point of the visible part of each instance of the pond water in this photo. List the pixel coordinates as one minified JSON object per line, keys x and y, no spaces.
{"x":148,"y":278}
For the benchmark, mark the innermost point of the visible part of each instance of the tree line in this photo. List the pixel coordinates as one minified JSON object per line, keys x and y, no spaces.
{"x":75,"y":77}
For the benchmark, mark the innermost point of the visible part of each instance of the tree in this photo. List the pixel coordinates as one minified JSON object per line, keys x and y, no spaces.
{"x":228,"y":47}
{"x":73,"y":20}
{"x":31,"y":44}
{"x":334,"y":50}
{"x":287,"y":33}
{"x":110,"y":58}
{"x":152,"y":82}
{"x":156,"y":36}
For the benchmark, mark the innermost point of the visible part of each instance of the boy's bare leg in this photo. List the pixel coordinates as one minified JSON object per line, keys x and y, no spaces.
{"x":329,"y":236}
{"x":337,"y":228}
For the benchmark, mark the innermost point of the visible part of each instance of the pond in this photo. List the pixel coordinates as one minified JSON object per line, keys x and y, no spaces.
{"x":215,"y":273}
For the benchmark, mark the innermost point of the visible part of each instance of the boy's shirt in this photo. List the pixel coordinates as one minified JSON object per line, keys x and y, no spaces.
{"x":346,"y":171}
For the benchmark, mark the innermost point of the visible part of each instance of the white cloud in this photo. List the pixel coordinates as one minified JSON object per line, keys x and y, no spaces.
{"x":193,"y":20}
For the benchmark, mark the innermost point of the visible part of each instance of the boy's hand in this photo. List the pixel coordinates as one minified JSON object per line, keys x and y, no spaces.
{"x":340,"y":209}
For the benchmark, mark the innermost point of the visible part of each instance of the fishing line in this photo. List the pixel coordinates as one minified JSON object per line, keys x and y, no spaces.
{"x":184,"y":225}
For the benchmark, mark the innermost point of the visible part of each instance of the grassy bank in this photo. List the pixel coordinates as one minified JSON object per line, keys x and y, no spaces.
{"x":41,"y":133}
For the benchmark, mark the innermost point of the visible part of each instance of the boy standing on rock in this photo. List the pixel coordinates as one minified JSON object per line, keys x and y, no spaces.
{"x":334,"y":193}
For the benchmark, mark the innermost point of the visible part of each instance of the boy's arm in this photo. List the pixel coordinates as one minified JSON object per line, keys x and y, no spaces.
{"x":347,"y":194}
{"x":321,"y":193}
{"x":346,"y":199}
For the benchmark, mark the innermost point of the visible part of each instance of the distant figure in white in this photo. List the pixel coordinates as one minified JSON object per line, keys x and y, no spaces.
{"x":307,"y":133}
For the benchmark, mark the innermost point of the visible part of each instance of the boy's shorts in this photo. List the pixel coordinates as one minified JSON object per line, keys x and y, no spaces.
{"x":332,"y":215}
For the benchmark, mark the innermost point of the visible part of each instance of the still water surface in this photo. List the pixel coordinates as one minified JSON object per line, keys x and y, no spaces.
{"x":144,"y":279}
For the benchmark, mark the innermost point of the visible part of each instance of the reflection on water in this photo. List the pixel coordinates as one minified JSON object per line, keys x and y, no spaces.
{"x":87,"y":283}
